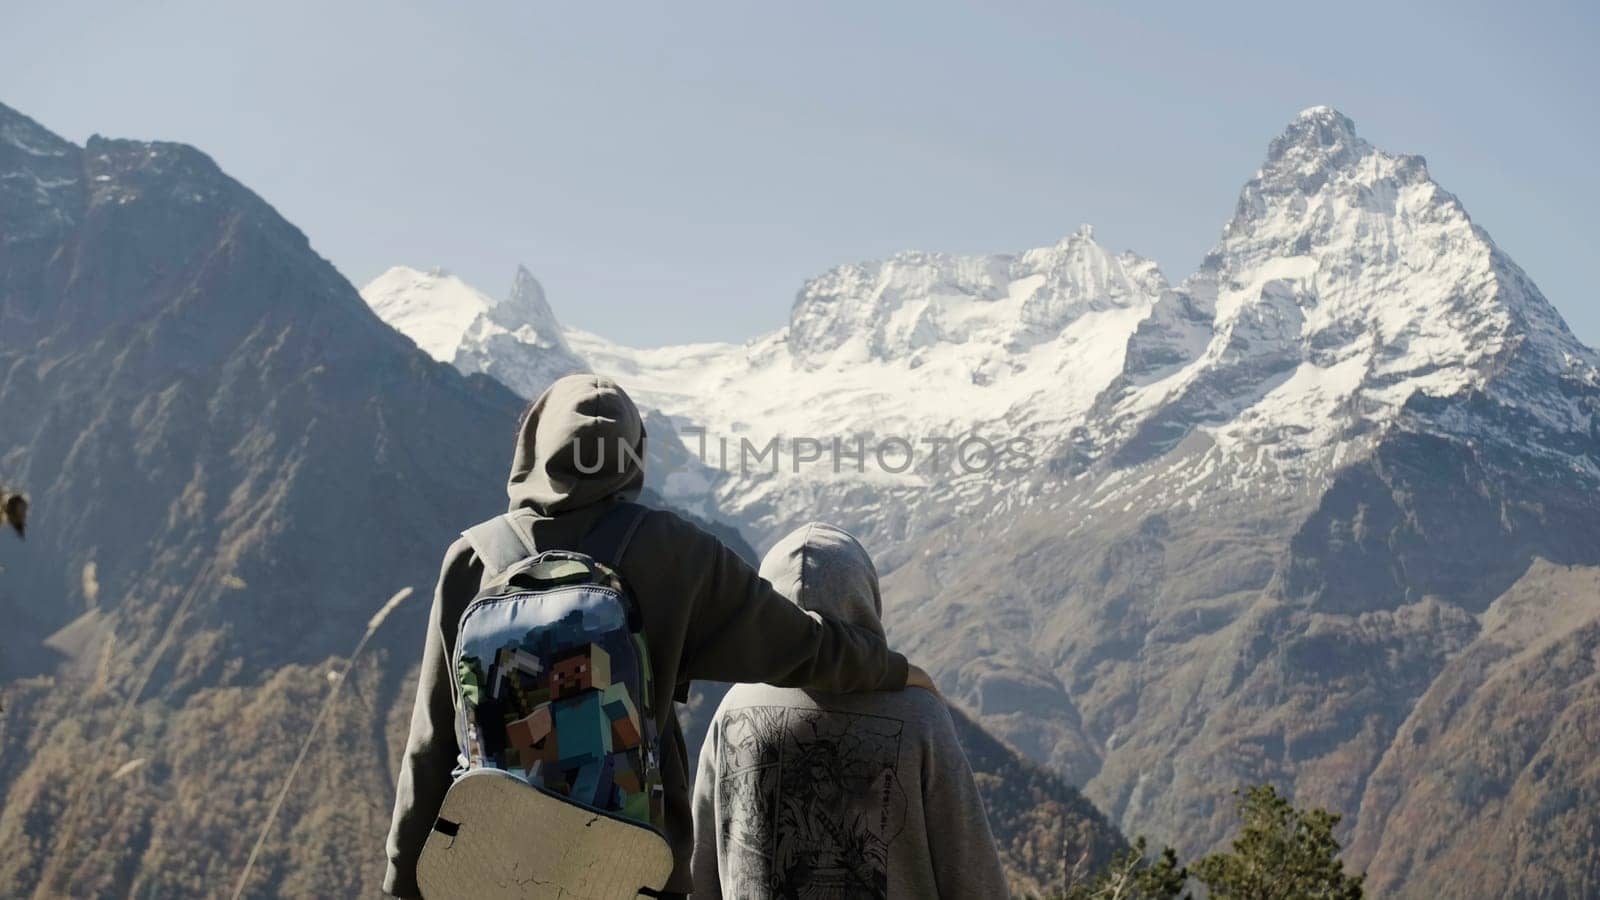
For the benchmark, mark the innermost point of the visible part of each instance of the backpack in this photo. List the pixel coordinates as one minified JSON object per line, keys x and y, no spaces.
{"x":559,"y":768}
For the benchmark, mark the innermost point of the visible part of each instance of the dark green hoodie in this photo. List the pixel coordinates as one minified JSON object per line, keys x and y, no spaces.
{"x":707,"y":614}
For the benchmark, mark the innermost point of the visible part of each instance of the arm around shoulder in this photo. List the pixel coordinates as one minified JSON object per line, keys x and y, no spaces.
{"x":740,"y":629}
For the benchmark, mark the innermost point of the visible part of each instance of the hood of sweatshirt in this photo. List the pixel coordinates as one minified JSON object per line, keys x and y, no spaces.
{"x":822,"y":569}
{"x":582,"y":442}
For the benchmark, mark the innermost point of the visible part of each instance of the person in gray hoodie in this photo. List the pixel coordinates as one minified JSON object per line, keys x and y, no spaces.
{"x":807,"y":793}
{"x":706,"y":613}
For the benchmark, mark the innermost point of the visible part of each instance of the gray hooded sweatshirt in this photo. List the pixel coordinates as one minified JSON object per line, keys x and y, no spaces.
{"x":707,"y":614}
{"x":803,"y":793}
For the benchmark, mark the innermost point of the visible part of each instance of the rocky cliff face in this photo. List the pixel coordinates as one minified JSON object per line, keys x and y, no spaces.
{"x":1266,"y":514}
{"x":1489,"y":787}
{"x":233,"y":463}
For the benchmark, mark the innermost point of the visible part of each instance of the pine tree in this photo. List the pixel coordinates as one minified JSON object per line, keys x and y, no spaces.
{"x":1282,"y":853}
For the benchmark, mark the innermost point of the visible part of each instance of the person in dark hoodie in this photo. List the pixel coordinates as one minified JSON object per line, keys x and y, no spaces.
{"x":805,"y":793}
{"x":707,"y":614}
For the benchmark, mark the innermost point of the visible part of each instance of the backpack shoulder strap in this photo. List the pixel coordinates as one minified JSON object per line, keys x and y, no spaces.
{"x":608,"y":538}
{"x":500,"y":543}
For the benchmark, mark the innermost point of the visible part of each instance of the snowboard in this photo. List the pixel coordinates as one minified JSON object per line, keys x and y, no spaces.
{"x":499,"y":838}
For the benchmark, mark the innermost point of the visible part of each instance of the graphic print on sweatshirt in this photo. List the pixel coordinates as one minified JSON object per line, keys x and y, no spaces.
{"x":810,"y":801}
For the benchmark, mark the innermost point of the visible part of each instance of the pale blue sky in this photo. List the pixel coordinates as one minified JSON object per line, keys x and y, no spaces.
{"x":674,"y":171}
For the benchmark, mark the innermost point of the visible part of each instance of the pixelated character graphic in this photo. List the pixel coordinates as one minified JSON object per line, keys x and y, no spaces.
{"x":583,"y":741}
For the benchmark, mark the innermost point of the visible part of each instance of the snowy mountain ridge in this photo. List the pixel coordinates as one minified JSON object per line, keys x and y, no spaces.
{"x":949,"y":347}
{"x":1346,"y":287}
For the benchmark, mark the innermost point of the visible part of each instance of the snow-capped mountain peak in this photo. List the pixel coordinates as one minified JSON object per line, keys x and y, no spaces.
{"x":903,"y":307}
{"x":1078,"y":275}
{"x":1347,"y":283}
{"x":517,"y":340}
{"x":525,"y":313}
{"x":446,"y":316}
{"x":1318,"y":135}
{"x":431,"y":306}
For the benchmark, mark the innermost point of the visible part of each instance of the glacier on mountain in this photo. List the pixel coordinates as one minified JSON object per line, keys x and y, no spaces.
{"x":1346,"y":285}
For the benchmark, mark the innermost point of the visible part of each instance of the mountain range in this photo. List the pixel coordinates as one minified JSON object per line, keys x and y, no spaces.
{"x":1325,"y":512}
{"x":233,"y":463}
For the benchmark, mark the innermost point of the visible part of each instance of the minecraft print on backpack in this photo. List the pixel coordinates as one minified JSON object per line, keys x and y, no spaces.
{"x":553,"y":686}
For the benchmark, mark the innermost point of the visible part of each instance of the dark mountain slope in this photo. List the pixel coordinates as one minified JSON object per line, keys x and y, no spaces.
{"x":1492,"y":785}
{"x":233,"y":463}
{"x":1046,"y":830}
